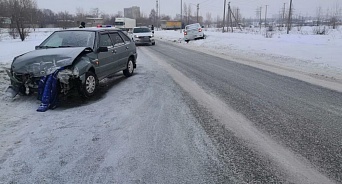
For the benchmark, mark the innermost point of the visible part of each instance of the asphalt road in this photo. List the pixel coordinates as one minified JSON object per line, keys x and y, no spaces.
{"x":301,"y":118}
{"x":183,"y":117}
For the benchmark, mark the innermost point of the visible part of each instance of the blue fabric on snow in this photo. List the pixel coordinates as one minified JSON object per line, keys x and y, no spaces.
{"x":41,"y":86}
{"x":48,"y":91}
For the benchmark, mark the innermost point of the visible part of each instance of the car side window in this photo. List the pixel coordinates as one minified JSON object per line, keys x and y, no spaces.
{"x":125,"y":37}
{"x":105,"y":41}
{"x":116,"y":38}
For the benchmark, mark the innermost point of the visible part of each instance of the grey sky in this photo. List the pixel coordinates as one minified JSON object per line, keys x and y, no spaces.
{"x":172,"y":7}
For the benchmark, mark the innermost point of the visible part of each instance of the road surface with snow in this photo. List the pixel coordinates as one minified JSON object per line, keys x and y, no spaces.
{"x":184,"y":117}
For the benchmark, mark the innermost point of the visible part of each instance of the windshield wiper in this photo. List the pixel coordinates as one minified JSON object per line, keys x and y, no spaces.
{"x":63,"y":46}
{"x":45,"y":47}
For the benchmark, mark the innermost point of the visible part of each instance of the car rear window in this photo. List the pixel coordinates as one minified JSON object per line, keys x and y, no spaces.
{"x":141,"y":30}
{"x":192,"y":26}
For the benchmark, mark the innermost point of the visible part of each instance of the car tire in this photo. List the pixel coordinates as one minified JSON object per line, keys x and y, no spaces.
{"x":130,"y":68}
{"x":89,"y":87}
{"x":187,"y":41}
{"x":154,"y":43}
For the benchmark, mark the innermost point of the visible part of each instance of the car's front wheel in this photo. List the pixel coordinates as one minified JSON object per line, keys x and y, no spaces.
{"x":89,"y":87}
{"x":130,"y":68}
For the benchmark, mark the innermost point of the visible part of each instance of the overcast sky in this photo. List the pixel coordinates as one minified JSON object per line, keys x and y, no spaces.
{"x":172,"y":7}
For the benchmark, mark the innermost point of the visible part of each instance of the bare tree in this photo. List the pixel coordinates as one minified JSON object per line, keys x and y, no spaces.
{"x":153,"y":16}
{"x":219,"y":22}
{"x":95,"y":12}
{"x":46,"y":17}
{"x":189,"y":13}
{"x":2,"y":14}
{"x":21,"y":16}
{"x":319,"y":16}
{"x":336,"y":13}
{"x":108,"y":19}
{"x":80,"y":15}
{"x":208,"y":19}
{"x":65,"y":20}
{"x":119,"y":14}
{"x":185,"y":12}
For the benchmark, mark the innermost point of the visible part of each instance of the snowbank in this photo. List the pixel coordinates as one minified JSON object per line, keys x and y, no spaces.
{"x":301,"y":50}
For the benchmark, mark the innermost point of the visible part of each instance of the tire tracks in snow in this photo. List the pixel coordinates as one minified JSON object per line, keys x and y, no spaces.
{"x":298,"y":168}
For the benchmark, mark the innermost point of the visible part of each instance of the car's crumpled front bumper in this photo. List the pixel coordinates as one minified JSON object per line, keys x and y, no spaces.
{"x":27,"y":83}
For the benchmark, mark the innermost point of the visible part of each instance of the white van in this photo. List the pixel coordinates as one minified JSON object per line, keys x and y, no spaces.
{"x":193,"y":32}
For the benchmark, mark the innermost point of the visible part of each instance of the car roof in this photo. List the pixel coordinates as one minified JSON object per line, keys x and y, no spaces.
{"x":95,"y":29}
{"x":142,"y":27}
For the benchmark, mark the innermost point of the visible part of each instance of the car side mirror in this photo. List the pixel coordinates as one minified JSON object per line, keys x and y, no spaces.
{"x":102,"y":49}
{"x":153,"y":32}
{"x":202,"y":26}
{"x":36,"y":47}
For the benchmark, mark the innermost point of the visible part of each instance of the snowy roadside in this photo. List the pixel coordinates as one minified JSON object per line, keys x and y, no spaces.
{"x":314,"y":56}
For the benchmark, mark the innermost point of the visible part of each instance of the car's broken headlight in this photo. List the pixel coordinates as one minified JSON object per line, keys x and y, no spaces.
{"x":65,"y":75}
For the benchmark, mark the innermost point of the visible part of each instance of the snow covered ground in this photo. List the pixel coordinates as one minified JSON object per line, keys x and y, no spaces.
{"x":301,"y":51}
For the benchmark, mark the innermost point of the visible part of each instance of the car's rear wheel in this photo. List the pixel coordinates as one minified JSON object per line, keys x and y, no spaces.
{"x":153,"y":43}
{"x":89,"y":87}
{"x":130,"y":68}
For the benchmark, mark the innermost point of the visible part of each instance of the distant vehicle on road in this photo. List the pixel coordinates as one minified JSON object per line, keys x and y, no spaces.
{"x":82,"y":57}
{"x":193,"y":32}
{"x":125,"y":24}
{"x":143,"y":35}
{"x":171,"y":25}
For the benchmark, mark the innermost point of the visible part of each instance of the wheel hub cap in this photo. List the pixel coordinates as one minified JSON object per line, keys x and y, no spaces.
{"x":130,"y":66}
{"x":90,"y":84}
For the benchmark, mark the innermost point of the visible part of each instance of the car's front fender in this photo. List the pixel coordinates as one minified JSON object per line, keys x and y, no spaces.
{"x":84,"y":65}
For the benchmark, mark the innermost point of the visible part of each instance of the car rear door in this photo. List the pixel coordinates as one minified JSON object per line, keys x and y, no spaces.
{"x":129,"y":46}
{"x":120,"y":51}
{"x":106,"y":64}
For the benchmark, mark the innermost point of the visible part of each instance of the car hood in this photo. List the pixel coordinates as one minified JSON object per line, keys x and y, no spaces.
{"x":143,"y":34}
{"x":45,"y":61}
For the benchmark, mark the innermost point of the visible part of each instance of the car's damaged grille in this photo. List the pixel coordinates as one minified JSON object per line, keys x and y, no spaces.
{"x":27,"y":79}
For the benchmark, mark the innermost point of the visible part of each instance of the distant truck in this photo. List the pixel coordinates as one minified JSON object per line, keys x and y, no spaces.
{"x":125,"y":24}
{"x":171,"y":25}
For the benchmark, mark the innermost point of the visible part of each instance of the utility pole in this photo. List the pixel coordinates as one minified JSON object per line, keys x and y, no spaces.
{"x":157,"y":8}
{"x":197,"y":12}
{"x":181,"y":16}
{"x":230,"y":17}
{"x":284,"y":14}
{"x":266,"y":15}
{"x":260,"y":18}
{"x":236,"y":20}
{"x":237,"y":16}
{"x":289,"y":20}
{"x":224,"y":16}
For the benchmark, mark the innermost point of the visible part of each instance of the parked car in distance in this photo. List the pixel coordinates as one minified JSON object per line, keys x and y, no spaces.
{"x":143,"y":35}
{"x":83,"y":57}
{"x":193,"y":32}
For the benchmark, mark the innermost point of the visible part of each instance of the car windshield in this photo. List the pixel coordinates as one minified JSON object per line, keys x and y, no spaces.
{"x":119,"y":23}
{"x":70,"y":39}
{"x":141,"y":30}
